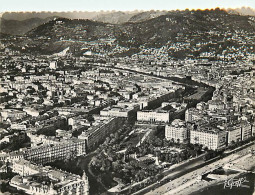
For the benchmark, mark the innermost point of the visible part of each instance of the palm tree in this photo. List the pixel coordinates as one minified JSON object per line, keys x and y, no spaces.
{"x":196,"y":148}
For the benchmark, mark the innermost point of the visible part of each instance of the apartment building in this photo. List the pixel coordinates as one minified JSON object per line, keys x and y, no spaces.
{"x":176,"y":131}
{"x":97,"y":133}
{"x":50,"y":153}
{"x":36,"y":179}
{"x":153,"y":116}
{"x":208,"y":136}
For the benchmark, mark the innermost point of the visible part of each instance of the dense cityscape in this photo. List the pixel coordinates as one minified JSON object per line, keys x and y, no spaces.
{"x":109,"y":117}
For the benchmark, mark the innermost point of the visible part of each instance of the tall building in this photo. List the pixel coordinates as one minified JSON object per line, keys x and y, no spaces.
{"x":233,"y":133}
{"x":239,"y":131}
{"x":96,"y":134}
{"x":246,"y":130}
{"x":177,"y":131}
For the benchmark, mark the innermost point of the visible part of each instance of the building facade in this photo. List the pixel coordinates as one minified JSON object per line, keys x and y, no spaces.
{"x":45,"y":154}
{"x":209,"y":137}
{"x":36,"y":179}
{"x":176,"y":131}
{"x":153,"y":116}
{"x":96,"y":134}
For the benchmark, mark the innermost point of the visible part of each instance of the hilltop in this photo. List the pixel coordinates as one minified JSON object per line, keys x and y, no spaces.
{"x":191,"y":27}
{"x":158,"y":31}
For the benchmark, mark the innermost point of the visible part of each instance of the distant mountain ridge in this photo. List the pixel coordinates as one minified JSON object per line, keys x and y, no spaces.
{"x":215,"y":27}
{"x":246,"y":11}
{"x":156,"y":32}
{"x":124,"y":17}
{"x":114,"y":17}
{"x":15,"y":27}
{"x":143,"y":16}
{"x":18,"y":23}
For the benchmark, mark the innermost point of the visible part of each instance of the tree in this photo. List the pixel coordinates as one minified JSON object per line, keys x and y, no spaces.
{"x":90,"y":118}
{"x":193,"y":153}
{"x":167,"y":157}
{"x":117,"y":135}
{"x":95,"y":161}
{"x":151,"y":148}
{"x":158,"y":142}
{"x":196,"y":148}
{"x":173,"y":160}
{"x":165,"y":142}
{"x":117,"y":166}
{"x":111,"y":135}
{"x":107,"y":140}
{"x":170,"y":156}
{"x":157,"y":153}
{"x":178,"y":159}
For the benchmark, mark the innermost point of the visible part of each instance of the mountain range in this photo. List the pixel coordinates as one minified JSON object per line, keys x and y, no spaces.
{"x":16,"y":27}
{"x":19,"y":23}
{"x":148,"y":31}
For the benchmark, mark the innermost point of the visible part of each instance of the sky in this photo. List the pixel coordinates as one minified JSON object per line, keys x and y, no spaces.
{"x":119,"y":5}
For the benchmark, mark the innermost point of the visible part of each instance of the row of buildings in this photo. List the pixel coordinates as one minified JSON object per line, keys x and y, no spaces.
{"x":30,"y":177}
{"x":208,"y":134}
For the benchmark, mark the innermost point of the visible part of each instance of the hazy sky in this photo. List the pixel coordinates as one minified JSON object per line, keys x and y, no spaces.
{"x":123,"y":5}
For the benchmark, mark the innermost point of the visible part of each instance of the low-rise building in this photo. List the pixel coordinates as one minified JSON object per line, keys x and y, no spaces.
{"x":153,"y":116}
{"x":119,"y":111}
{"x":36,"y":179}
{"x":12,"y":114}
{"x":24,"y":168}
{"x":192,"y":114}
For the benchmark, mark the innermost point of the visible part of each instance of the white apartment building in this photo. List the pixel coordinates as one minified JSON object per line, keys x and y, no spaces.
{"x":234,"y":133}
{"x":209,"y":137}
{"x":239,"y":131}
{"x":177,"y":131}
{"x":24,"y":168}
{"x":153,"y":116}
{"x":50,"y":153}
{"x":246,"y":130}
{"x":115,"y":112}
